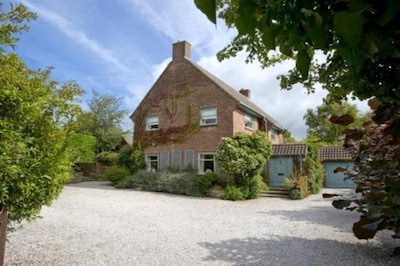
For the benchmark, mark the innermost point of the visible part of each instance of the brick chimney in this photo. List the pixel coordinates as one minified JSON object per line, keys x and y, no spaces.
{"x":180,"y":50}
{"x":245,"y":92}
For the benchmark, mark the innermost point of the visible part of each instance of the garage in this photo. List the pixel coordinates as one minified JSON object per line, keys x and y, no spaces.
{"x":333,"y":157}
{"x":284,"y":161}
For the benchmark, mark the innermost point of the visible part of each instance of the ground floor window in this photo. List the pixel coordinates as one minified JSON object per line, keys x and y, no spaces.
{"x":152,"y":163}
{"x":206,"y":163}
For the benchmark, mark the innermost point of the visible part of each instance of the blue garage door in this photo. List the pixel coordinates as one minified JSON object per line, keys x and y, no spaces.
{"x":337,"y":180}
{"x":279,"y":168}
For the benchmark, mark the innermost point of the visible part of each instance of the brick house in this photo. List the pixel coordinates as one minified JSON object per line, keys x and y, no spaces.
{"x":187,"y":111}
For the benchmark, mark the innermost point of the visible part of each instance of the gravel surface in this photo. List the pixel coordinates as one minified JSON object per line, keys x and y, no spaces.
{"x":94,"y":224}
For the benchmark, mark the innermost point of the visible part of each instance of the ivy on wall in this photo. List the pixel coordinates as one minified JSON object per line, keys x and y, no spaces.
{"x":174,"y":106}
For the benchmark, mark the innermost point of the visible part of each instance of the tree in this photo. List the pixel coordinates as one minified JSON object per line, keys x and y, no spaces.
{"x":243,"y":156}
{"x":83,"y":148}
{"x":103,"y":121}
{"x":360,"y":61}
{"x":35,"y":111}
{"x":288,"y":138}
{"x":318,"y":121}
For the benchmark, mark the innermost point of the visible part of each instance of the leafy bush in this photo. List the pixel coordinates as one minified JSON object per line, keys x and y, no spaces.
{"x":313,"y":168}
{"x":125,"y":182}
{"x":295,"y":194}
{"x":148,"y":181}
{"x":182,"y":184}
{"x":232,"y":193}
{"x":139,"y":161}
{"x":116,"y":173}
{"x":299,"y":184}
{"x":107,"y":157}
{"x":205,"y":182}
{"x":251,"y":187}
{"x":243,"y":155}
{"x":125,"y":156}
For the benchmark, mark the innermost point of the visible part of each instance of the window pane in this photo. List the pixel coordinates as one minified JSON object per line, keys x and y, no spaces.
{"x":208,"y":116}
{"x":208,"y":112}
{"x":152,"y":119}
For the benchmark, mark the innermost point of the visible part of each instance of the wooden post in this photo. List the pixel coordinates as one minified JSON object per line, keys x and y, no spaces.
{"x":3,"y":231}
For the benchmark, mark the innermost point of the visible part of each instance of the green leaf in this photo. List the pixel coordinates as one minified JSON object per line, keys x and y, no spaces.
{"x":246,"y":22}
{"x":303,"y":63}
{"x":390,"y":12}
{"x":318,"y":36}
{"x":268,"y":38}
{"x":209,"y":8}
{"x":349,"y":25}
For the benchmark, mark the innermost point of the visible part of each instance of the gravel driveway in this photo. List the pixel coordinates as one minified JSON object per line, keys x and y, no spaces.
{"x":94,"y":224}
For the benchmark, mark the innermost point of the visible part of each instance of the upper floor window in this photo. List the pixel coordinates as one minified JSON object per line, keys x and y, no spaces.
{"x":152,"y":122}
{"x":248,"y":121}
{"x":273,"y":135}
{"x":208,"y":116}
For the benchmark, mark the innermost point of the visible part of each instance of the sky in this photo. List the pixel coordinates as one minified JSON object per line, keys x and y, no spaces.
{"x":121,"y":47}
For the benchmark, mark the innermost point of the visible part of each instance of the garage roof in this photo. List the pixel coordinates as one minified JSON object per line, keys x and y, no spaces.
{"x":334,"y":153}
{"x":289,"y":149}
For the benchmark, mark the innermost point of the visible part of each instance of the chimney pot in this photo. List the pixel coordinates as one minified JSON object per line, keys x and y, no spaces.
{"x":245,"y":92}
{"x":180,"y":50}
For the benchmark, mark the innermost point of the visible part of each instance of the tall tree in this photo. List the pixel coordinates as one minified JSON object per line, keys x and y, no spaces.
{"x":288,"y":138}
{"x":103,"y":120}
{"x":317,"y":120}
{"x":361,"y":59}
{"x":35,"y":111}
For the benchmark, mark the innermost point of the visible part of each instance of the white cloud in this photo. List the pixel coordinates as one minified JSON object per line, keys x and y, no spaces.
{"x":286,"y":107}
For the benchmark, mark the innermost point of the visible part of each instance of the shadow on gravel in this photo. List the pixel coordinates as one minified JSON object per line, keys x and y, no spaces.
{"x":340,"y":219}
{"x":297,"y":251}
{"x":93,"y":184}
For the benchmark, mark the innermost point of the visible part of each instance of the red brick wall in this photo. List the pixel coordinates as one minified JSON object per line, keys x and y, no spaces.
{"x":177,"y":97}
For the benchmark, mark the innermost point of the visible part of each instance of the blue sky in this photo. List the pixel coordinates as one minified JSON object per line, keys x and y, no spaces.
{"x":121,"y":47}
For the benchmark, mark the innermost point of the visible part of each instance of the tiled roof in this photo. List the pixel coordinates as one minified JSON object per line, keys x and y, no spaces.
{"x":243,"y":100}
{"x":289,"y":149}
{"x":334,"y":153}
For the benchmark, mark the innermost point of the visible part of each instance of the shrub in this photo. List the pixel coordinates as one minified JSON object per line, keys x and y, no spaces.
{"x":295,"y":194}
{"x":138,"y":159}
{"x":107,"y":157}
{"x":125,"y":182}
{"x":314,"y":169}
{"x":146,"y":180}
{"x":299,"y":185}
{"x":116,"y":173}
{"x":232,"y":193}
{"x":125,"y":157}
{"x":205,"y":182}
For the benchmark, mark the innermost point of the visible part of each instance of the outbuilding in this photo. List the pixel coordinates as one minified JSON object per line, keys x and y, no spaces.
{"x":333,"y":157}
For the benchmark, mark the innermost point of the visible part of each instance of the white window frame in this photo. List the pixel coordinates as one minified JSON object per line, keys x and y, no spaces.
{"x":248,"y":122}
{"x":150,"y":160}
{"x":208,"y":116}
{"x":201,"y":161}
{"x":152,"y":123}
